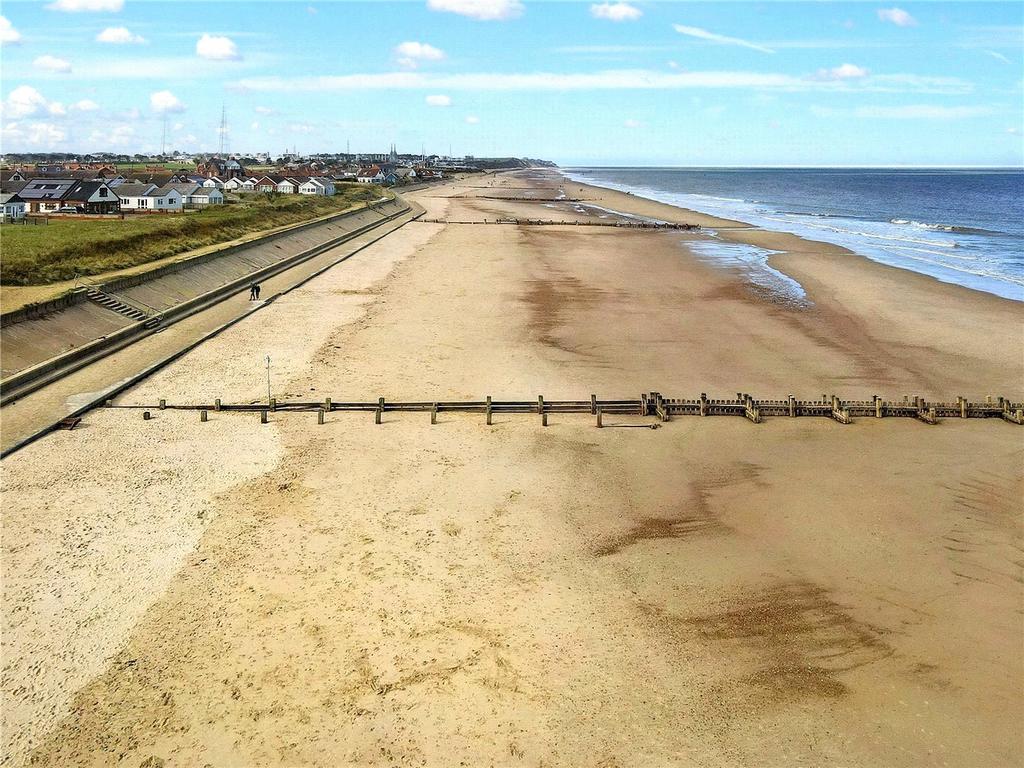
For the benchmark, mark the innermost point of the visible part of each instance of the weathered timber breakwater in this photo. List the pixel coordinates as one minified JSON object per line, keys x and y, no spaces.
{"x":648,"y":404}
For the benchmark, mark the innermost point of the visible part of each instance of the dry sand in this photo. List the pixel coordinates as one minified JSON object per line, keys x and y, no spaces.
{"x":709,"y":593}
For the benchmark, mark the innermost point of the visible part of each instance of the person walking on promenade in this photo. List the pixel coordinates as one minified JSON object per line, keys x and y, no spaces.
{"x":257,"y":291}
{"x":253,"y":292}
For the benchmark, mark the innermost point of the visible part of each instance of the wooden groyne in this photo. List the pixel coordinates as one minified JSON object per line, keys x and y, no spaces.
{"x":648,"y":404}
{"x":572,"y":223}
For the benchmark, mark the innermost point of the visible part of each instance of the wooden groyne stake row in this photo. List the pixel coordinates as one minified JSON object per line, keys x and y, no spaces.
{"x":572,"y":223}
{"x":648,"y":404}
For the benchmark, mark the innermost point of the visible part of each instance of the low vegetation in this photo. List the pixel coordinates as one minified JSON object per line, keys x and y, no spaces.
{"x":66,"y":248}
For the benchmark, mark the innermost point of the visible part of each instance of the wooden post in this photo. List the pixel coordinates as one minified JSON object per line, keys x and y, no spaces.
{"x":962,"y":402}
{"x":263,"y":417}
{"x":163,"y":403}
{"x":273,"y":403}
{"x":380,"y":403}
{"x":544,"y":419}
{"x":703,"y":403}
{"x":878,"y":406}
{"x":202,"y":416}
{"x":327,"y":403}
{"x":216,"y":404}
{"x":792,"y":406}
{"x":320,"y":416}
{"x":376,"y":415}
{"x":146,"y":415}
{"x":488,"y":410}
{"x":599,"y":424}
{"x":433,"y":414}
{"x":593,"y":403}
{"x":540,"y":403}
{"x":108,"y":403}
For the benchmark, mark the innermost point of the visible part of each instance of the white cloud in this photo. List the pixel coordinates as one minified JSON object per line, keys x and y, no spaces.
{"x":118,"y":136}
{"x":410,"y":54}
{"x":303,"y":128}
{"x":264,"y":110}
{"x":616,"y":11}
{"x":52,"y":64}
{"x":56,"y":109}
{"x":25,"y":101}
{"x":439,"y":100}
{"x":216,"y":48}
{"x":631,"y":123}
{"x":897,"y":16}
{"x":843,"y":72}
{"x":906,"y":112}
{"x":625,"y":79}
{"x":37,"y":135}
{"x":95,"y":6}
{"x":119,"y":36}
{"x":178,"y":127}
{"x":312,"y":11}
{"x":85,"y":105}
{"x":998,"y":56}
{"x":703,"y":34}
{"x":254,"y":126}
{"x":165,"y":101}
{"x":481,"y":10}
{"x":922,"y":112}
{"x":8,"y":34}
{"x":472,"y":120}
{"x":1013,"y":130}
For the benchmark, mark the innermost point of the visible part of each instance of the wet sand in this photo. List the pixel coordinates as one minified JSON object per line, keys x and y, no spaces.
{"x":708,"y":593}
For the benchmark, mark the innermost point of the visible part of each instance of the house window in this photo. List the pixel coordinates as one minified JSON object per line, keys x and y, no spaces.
{"x":103,"y":191}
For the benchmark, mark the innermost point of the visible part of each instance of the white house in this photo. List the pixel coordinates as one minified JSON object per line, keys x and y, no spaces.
{"x":198,"y":196}
{"x":288,"y":186}
{"x":213,"y":183}
{"x":371,"y":175}
{"x":317,"y":185}
{"x":134,"y":196}
{"x":150,"y":197}
{"x":234,"y":184}
{"x":13,"y":207}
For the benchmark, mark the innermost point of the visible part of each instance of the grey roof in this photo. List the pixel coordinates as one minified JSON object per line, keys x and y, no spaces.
{"x":184,"y":189}
{"x":133,"y":190}
{"x":165,"y":189}
{"x":12,"y":187}
{"x":6,"y":197}
{"x":85,"y":189}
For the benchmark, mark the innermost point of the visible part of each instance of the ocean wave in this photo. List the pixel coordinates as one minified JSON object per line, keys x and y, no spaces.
{"x":879,"y":236}
{"x":944,"y":227}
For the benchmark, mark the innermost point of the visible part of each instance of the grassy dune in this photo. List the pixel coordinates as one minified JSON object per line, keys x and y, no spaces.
{"x":36,"y":255}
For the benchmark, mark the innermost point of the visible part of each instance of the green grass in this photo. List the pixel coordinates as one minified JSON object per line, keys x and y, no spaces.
{"x":37,"y":255}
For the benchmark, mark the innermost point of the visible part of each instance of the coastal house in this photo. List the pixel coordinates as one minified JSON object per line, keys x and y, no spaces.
{"x":371,"y":175}
{"x":44,"y":195}
{"x":317,"y":185}
{"x":213,"y":182}
{"x":234,"y":184}
{"x":14,"y":175}
{"x":13,"y":207}
{"x":221,"y":169}
{"x":288,"y":186}
{"x":266,"y":184}
{"x":248,"y":185}
{"x":198,"y":196}
{"x":149,"y":197}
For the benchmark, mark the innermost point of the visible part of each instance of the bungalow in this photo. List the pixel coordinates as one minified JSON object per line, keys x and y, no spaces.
{"x":13,"y":207}
{"x":213,"y":183}
{"x":266,"y":183}
{"x":149,"y":197}
{"x":317,"y":185}
{"x":198,"y":196}
{"x":234,"y":184}
{"x":390,"y":178}
{"x":49,"y":195}
{"x":405,"y":175}
{"x":248,"y":185}
{"x":371,"y":175}
{"x":288,"y":186}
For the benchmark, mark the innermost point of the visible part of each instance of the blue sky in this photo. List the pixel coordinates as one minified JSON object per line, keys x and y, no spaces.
{"x":645,"y":83}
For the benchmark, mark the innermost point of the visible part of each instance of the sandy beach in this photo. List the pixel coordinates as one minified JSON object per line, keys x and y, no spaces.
{"x":709,"y":593}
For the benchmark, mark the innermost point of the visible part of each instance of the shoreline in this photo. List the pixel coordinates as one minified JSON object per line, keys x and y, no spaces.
{"x":713,"y":591}
{"x":823,"y":244}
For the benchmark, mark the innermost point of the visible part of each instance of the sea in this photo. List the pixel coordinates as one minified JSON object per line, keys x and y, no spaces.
{"x":958,"y":226}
